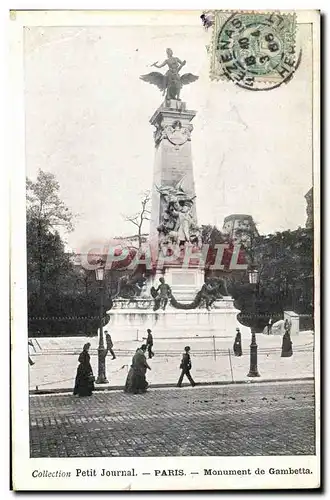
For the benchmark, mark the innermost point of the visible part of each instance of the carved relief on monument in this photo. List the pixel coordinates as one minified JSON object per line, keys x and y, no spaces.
{"x":177,"y":224}
{"x":176,"y":134}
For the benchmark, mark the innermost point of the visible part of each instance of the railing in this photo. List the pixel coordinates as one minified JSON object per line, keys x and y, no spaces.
{"x":213,"y":351}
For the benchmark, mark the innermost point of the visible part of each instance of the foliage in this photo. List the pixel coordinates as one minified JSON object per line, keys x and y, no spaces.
{"x":213,"y":237}
{"x":285,"y":264}
{"x":44,"y":204}
{"x":62,"y":299}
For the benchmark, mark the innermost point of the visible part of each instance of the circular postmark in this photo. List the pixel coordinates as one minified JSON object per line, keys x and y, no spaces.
{"x":257,"y":50}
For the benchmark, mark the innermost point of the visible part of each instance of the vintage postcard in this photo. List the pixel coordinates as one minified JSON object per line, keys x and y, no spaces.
{"x":165,"y":249}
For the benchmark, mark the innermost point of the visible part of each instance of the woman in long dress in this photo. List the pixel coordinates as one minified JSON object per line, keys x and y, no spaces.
{"x":136,"y":379}
{"x":84,"y":384}
{"x":287,"y":351}
{"x":238,"y":343}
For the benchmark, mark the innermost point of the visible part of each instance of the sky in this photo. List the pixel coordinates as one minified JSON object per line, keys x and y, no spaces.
{"x":87,"y":122}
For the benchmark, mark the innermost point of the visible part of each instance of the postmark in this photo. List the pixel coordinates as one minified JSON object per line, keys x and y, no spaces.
{"x":255,"y":50}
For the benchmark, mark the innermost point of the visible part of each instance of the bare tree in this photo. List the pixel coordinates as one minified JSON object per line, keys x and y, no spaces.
{"x":141,"y":216}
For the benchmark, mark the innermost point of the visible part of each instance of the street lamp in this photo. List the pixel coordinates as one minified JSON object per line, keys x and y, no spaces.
{"x":101,"y":351}
{"x":253,"y":279}
{"x":253,"y":275}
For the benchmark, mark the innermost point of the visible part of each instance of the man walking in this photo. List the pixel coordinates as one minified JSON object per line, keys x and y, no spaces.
{"x":185,"y":366}
{"x":109,"y":342}
{"x":149,"y":344}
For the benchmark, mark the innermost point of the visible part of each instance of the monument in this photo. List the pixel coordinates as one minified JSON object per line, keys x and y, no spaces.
{"x":176,"y":301}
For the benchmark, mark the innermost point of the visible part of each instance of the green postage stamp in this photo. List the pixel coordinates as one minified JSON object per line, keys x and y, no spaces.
{"x":255,"y":50}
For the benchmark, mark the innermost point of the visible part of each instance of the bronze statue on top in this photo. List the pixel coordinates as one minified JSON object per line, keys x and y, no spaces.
{"x":170,"y":83}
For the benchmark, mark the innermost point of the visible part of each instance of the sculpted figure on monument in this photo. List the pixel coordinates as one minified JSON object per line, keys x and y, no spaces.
{"x":130,"y":287}
{"x":212,"y":290}
{"x":161,"y":294}
{"x":170,"y":83}
{"x":184,"y":224}
{"x":175,"y":195}
{"x":177,"y":224}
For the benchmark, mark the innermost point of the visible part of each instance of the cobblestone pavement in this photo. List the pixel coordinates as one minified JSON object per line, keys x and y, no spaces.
{"x":265,"y":419}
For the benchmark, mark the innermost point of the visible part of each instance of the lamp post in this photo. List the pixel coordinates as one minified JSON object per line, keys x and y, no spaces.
{"x":253,"y":279}
{"x":101,"y":351}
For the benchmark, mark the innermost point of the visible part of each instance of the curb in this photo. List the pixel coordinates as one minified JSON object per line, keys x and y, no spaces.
{"x":106,"y":388}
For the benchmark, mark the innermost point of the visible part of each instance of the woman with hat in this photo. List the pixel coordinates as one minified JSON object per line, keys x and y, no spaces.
{"x":84,"y":384}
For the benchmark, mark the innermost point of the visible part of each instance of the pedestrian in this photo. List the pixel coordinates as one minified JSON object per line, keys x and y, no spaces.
{"x":109,"y":342}
{"x":149,"y":344}
{"x":269,"y":326}
{"x":136,"y":379}
{"x":84,"y":384}
{"x":185,"y":366}
{"x":287,"y":351}
{"x":238,"y":343}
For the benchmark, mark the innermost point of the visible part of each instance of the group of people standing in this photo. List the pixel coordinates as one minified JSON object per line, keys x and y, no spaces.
{"x":286,"y":352}
{"x":136,"y":382}
{"x":136,"y":379}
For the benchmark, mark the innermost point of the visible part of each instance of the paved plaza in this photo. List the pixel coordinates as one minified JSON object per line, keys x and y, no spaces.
{"x":256,"y":419}
{"x":56,"y":360}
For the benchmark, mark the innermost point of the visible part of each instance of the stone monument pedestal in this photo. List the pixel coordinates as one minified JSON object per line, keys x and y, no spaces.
{"x":130,"y":320}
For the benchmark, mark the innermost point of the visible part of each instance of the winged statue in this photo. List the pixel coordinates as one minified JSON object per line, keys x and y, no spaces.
{"x":170,"y":83}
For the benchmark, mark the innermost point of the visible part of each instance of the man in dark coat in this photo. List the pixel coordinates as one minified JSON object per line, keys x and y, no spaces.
{"x":185,"y":366}
{"x":149,"y":344}
{"x":109,"y":342}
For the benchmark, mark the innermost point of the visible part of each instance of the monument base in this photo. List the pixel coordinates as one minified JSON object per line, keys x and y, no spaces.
{"x":130,"y":320}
